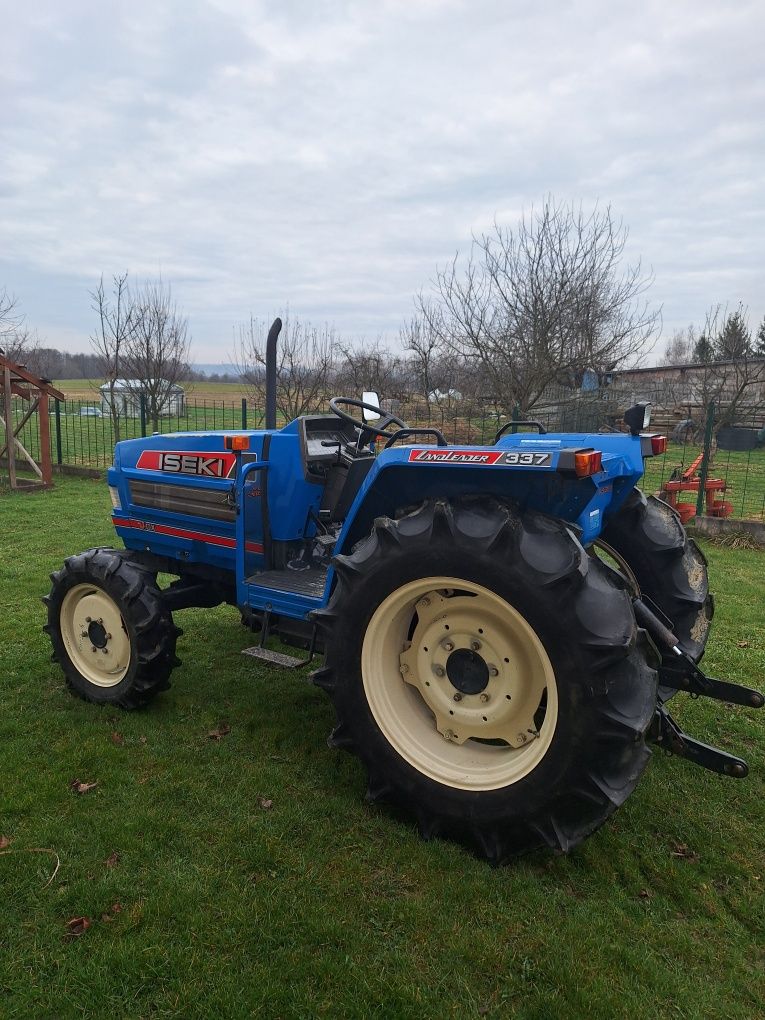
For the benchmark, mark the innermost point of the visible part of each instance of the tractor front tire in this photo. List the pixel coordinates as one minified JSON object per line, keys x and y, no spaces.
{"x":111,"y":632}
{"x":489,"y":675}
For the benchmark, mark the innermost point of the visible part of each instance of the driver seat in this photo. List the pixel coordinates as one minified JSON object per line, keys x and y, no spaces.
{"x":344,"y":480}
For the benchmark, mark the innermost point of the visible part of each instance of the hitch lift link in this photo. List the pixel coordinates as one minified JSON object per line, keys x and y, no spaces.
{"x":679,"y":672}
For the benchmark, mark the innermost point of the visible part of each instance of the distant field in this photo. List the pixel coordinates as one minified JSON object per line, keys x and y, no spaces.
{"x":87,"y":389}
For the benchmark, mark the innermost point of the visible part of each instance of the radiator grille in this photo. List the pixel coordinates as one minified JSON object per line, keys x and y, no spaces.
{"x":182,"y":499}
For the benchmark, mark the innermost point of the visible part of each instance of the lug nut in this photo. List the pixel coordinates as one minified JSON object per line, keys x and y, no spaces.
{"x":99,"y":620}
{"x":484,"y":697}
{"x":94,"y":649}
{"x":448,"y":645}
{"x":88,"y":619}
{"x":83,"y":633}
{"x":458,"y":696}
{"x":449,"y":735}
{"x":425,"y":602}
{"x":108,"y":637}
{"x":403,"y":668}
{"x":493,"y":671}
{"x":522,"y":738}
{"x":439,"y":670}
{"x":475,"y":645}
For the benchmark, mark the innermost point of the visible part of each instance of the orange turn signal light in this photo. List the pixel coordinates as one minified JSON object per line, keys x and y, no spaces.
{"x":588,"y":463}
{"x":236,"y":442}
{"x":658,"y":445}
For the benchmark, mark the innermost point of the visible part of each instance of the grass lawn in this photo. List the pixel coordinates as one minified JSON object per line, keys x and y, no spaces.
{"x":246,"y":877}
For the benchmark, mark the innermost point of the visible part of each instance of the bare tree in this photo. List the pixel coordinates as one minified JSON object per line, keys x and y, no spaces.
{"x":538,"y":304}
{"x":680,"y":347}
{"x":116,"y":325}
{"x":17,"y":341}
{"x":304,"y":362}
{"x":156,"y":352}
{"x":424,"y":344}
{"x":369,"y":366}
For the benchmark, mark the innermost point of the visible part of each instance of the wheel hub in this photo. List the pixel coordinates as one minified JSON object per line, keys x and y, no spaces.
{"x":467,"y":671}
{"x":97,"y":634}
{"x":472,"y":671}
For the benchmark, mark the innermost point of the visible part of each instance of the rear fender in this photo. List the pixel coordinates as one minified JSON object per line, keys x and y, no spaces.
{"x":530,"y":471}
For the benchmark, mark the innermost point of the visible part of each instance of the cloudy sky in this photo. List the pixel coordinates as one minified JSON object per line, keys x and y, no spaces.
{"x":330,"y":155}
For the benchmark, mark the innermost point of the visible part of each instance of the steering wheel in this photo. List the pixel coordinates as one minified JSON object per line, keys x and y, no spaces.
{"x":366,"y":426}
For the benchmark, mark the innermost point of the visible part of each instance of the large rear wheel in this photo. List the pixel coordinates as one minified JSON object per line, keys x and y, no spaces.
{"x":669,"y":567}
{"x":489,"y":674}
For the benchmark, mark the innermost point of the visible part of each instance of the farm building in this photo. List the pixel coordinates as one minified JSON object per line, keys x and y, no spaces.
{"x":127,"y":395}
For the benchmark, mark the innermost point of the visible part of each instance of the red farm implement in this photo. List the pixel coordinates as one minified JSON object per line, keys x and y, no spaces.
{"x":689,"y":481}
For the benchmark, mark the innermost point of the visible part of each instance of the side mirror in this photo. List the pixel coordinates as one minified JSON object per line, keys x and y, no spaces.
{"x":638,"y":417}
{"x":370,"y":397}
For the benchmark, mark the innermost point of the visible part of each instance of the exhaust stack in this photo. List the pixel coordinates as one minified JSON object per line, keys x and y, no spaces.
{"x":273,"y":333}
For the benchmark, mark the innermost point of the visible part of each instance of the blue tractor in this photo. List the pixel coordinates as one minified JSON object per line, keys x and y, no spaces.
{"x":499,"y":627}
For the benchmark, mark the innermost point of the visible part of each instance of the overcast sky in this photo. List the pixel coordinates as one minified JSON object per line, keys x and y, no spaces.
{"x":331,"y":155}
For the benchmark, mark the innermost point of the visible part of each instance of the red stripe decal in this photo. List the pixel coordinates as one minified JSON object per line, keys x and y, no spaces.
{"x":194,"y":536}
{"x":450,"y":456}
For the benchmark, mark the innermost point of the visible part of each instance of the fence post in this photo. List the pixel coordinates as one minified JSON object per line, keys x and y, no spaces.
{"x":244,"y":412}
{"x":57,"y":415}
{"x":516,"y":415}
{"x":705,"y":459}
{"x":142,"y":404}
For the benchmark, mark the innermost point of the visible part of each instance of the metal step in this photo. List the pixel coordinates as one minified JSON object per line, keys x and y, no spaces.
{"x":275,"y":658}
{"x":260,"y":651}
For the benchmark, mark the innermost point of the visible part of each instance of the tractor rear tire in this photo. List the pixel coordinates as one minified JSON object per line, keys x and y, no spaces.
{"x":111,"y":632}
{"x":534,"y":745}
{"x":669,"y":567}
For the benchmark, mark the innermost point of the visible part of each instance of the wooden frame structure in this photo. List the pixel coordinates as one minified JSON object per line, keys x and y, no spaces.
{"x":18,"y":382}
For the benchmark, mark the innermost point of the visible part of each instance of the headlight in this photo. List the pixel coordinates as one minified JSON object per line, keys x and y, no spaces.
{"x":114,"y":492}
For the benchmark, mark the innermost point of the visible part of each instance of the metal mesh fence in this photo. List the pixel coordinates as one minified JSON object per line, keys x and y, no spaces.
{"x":83,"y":434}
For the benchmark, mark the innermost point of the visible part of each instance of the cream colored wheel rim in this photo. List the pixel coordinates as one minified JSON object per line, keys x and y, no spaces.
{"x":95,"y":635}
{"x":409,"y":672}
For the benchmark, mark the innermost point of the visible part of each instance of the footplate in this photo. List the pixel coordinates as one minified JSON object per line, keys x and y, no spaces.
{"x":275,"y":658}
{"x":665,"y":733}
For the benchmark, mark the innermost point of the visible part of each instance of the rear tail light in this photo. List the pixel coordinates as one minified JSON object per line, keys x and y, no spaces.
{"x":658,"y":445}
{"x":588,"y":463}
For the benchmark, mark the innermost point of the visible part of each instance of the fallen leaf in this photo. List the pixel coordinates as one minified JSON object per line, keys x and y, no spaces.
{"x":684,"y":851}
{"x":265,"y":803}
{"x":112,"y":860}
{"x":219,"y":733}
{"x":77,"y":926}
{"x":106,"y":918}
{"x":4,"y":842}
{"x":142,"y":740}
{"x":118,"y":739}
{"x":116,"y":908}
{"x":79,"y":787}
{"x":743,"y":644}
{"x":645,"y":894}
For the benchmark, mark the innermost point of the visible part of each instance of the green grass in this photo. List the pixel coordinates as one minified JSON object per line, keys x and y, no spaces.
{"x":321,"y":905}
